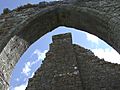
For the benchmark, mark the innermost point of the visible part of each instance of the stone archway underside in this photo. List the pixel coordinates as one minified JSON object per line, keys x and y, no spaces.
{"x":83,"y":15}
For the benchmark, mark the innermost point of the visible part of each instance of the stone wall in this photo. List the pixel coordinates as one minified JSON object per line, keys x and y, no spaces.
{"x":106,"y":11}
{"x":71,"y":67}
{"x":59,"y":69}
{"x":97,"y":74}
{"x":8,"y":57}
{"x":30,"y":22}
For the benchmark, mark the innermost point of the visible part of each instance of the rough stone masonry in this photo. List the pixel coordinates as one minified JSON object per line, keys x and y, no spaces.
{"x":71,"y":67}
{"x":30,"y":22}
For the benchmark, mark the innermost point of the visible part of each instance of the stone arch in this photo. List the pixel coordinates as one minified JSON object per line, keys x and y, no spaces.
{"x":90,"y":20}
{"x":81,"y":18}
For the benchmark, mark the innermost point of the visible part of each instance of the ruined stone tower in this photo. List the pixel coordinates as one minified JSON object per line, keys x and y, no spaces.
{"x":70,"y":67}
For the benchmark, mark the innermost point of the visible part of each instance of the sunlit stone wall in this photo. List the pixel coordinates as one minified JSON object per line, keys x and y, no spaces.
{"x":12,"y":52}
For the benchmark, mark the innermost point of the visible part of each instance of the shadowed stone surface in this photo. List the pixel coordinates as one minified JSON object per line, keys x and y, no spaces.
{"x":30,"y":22}
{"x":70,"y":67}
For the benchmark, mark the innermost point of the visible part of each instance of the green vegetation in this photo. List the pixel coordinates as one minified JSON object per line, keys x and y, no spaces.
{"x":6,"y":10}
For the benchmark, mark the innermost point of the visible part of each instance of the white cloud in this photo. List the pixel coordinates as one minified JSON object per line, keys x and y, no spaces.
{"x":40,"y":55}
{"x":92,"y":38}
{"x":21,"y":87}
{"x":17,"y":79}
{"x":32,"y":75}
{"x":26,"y":70}
{"x":108,"y":54}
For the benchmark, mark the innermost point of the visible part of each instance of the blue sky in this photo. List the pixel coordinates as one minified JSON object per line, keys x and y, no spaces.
{"x":11,"y":4}
{"x":32,"y":58}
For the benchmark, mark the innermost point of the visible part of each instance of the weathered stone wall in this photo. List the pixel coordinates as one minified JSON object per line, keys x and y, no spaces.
{"x":12,"y":52}
{"x":97,"y":74}
{"x":71,"y":67}
{"x":30,"y":22}
{"x":106,"y":12}
{"x":59,"y":69}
